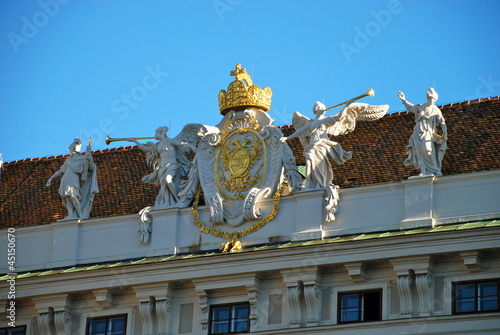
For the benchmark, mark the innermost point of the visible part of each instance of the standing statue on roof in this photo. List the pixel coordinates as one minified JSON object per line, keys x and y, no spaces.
{"x":78,"y":182}
{"x":168,"y":161}
{"x":426,"y":147}
{"x":318,"y":147}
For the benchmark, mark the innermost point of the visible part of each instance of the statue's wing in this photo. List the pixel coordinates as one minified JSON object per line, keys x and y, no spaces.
{"x":355,"y":112}
{"x":192,"y":133}
{"x":152,"y":157}
{"x":300,"y":121}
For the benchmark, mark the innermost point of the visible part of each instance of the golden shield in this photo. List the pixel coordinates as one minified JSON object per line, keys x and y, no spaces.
{"x":240,"y":163}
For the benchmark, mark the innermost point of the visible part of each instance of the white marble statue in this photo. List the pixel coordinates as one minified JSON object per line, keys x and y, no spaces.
{"x":79,"y":181}
{"x":168,"y":161}
{"x":318,"y":147}
{"x":426,"y":147}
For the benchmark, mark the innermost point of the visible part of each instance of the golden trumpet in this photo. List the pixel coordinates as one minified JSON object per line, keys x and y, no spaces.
{"x":108,"y":139}
{"x":370,"y":93}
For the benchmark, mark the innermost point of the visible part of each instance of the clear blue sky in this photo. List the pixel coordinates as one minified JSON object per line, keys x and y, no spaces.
{"x":123,"y":68}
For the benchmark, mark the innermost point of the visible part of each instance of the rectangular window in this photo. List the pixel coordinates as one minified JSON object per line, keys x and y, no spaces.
{"x":230,"y":319}
{"x":472,"y":297}
{"x":13,"y":331}
{"x":108,"y":325}
{"x":360,"y":306}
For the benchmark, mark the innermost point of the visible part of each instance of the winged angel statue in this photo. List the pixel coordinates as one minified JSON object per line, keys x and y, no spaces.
{"x":168,"y":160}
{"x":318,"y":147}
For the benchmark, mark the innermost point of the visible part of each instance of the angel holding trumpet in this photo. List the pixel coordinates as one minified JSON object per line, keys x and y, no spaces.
{"x":318,"y":147}
{"x":169,"y":165}
{"x":167,"y":159}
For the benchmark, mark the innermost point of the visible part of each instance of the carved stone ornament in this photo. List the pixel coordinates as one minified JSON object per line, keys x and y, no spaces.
{"x":239,"y":165}
{"x":145,"y":219}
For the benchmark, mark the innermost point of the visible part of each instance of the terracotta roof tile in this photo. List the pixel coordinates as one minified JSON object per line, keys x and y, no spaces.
{"x":378,"y":154}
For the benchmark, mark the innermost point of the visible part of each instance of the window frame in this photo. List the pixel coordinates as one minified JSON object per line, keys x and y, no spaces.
{"x":361,"y":308}
{"x":23,"y":327}
{"x":230,"y":305}
{"x":106,"y":317}
{"x":476,"y":296}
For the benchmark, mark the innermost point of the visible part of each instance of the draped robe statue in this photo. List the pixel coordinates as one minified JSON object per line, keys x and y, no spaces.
{"x":78,"y":182}
{"x":426,"y":148}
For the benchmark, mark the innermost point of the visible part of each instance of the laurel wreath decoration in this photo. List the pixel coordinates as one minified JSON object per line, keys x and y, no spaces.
{"x":232,"y":237}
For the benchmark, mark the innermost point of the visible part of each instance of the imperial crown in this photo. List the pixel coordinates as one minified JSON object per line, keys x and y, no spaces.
{"x":241,"y":93}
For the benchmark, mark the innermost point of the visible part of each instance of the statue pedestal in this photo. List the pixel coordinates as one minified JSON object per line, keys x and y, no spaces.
{"x":309,"y":214}
{"x":418,"y":203}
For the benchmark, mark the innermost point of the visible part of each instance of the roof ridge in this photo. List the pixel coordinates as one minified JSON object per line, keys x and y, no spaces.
{"x":397,"y":113}
{"x":458,"y":103}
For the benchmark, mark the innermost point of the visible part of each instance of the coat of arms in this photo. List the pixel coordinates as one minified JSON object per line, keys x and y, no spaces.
{"x":239,"y":162}
{"x":245,"y":159}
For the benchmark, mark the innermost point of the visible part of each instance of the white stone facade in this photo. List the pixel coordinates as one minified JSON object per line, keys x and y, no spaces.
{"x":411,"y":241}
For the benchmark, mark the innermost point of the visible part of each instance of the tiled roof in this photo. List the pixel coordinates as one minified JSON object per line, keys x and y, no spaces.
{"x":328,"y":241}
{"x":379,"y":147}
{"x":378,"y":154}
{"x":26,"y":201}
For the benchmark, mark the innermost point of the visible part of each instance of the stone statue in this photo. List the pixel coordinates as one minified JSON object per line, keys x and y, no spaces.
{"x":168,"y":161}
{"x":78,"y":182}
{"x":318,"y":147}
{"x":426,"y":147}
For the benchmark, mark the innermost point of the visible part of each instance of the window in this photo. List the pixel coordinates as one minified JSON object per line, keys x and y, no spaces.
{"x":109,"y":325}
{"x":230,"y":319}
{"x":360,"y":306}
{"x":473,"y":297}
{"x":13,"y":331}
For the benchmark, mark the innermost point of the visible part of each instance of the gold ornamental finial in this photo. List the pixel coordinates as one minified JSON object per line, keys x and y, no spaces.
{"x":241,"y":74}
{"x":241,"y":93}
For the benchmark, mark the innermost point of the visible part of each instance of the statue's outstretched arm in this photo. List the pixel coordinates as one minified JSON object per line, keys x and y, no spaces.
{"x":56,"y":174}
{"x":296,"y":133}
{"x":408,"y":105}
{"x":140,"y":145}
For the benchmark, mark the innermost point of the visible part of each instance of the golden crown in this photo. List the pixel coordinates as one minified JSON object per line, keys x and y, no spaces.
{"x":241,"y":93}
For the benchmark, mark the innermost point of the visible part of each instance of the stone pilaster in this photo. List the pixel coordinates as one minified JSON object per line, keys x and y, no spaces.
{"x":203,"y":300}
{"x":253,"y":295}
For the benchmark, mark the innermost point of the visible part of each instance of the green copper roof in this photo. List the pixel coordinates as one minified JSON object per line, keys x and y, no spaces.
{"x":287,"y":245}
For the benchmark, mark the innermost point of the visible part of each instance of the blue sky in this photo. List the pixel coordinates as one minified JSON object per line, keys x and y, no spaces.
{"x":123,"y":68}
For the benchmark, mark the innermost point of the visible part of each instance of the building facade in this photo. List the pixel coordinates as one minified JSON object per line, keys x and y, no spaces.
{"x":403,"y":255}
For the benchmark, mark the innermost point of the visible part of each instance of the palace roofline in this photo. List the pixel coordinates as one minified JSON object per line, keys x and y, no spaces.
{"x":378,"y":154}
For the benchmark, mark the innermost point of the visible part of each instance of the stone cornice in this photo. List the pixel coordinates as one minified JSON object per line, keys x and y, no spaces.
{"x":246,"y":263}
